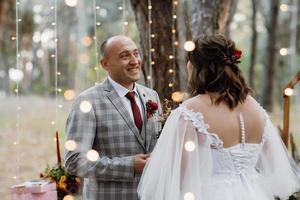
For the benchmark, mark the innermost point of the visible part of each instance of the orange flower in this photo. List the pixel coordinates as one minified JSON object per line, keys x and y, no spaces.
{"x":62,"y":185}
{"x":62,"y":179}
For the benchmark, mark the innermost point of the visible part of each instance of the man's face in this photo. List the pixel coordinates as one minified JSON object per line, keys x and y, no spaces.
{"x":122,"y":61}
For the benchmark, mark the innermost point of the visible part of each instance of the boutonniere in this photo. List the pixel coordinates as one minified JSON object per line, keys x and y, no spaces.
{"x":151,"y":107}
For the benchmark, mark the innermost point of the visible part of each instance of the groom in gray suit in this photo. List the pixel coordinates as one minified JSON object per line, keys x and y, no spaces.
{"x":116,"y":124}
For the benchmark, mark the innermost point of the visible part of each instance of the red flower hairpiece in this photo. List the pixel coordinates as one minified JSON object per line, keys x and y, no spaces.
{"x":237,"y":54}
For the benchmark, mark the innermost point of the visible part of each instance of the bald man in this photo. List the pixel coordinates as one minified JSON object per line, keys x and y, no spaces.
{"x":118,"y":126}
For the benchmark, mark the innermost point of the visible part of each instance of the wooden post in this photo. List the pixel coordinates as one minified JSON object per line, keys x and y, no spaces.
{"x":286,"y":109}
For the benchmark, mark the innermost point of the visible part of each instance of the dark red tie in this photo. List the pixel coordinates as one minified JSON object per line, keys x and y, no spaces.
{"x":135,"y":110}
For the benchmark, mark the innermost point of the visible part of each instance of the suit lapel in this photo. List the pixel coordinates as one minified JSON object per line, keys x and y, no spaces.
{"x":118,"y":104}
{"x":147,"y":123}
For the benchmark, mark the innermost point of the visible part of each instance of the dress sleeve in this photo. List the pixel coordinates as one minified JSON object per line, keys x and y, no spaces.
{"x":181,"y":163}
{"x":278,"y":169}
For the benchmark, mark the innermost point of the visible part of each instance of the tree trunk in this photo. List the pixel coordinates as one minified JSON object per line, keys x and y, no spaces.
{"x":7,"y":30}
{"x":270,"y":64}
{"x":232,"y":9}
{"x":162,"y":43}
{"x":253,"y":45}
{"x":211,"y":17}
{"x":184,"y":34}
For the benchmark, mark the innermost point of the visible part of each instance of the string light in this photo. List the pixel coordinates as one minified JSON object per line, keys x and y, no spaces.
{"x":16,"y":38}
{"x":150,"y":35}
{"x":96,"y":41}
{"x":57,"y":90}
{"x":125,"y":23}
{"x":171,"y":57}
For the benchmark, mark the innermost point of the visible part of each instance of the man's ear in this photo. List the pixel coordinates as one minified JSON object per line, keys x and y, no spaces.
{"x":104,"y":63}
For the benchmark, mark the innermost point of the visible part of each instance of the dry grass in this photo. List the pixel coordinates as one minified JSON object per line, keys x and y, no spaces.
{"x":37,"y":147}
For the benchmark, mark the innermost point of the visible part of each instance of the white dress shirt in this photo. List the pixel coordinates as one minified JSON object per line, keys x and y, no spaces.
{"x":122,"y":91}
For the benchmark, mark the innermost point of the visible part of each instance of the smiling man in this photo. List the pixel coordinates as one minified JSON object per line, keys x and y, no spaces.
{"x":117,"y":127}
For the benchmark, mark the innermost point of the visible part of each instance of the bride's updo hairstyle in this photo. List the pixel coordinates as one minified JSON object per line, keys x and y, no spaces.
{"x":215,"y":71}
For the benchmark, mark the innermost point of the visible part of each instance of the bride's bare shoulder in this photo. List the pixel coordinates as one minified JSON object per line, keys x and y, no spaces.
{"x":197,"y":102}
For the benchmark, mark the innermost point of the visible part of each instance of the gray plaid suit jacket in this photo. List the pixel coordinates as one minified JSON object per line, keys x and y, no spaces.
{"x":109,"y":129}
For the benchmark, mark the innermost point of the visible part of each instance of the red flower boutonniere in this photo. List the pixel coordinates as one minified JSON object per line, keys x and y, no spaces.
{"x":237,"y":54}
{"x":151,"y":107}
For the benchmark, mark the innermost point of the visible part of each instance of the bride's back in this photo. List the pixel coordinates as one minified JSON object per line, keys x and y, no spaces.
{"x":226,"y":122}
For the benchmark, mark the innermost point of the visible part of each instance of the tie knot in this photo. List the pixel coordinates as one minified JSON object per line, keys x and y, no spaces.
{"x":130,"y":96}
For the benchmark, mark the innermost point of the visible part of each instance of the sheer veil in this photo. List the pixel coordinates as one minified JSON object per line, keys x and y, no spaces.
{"x":180,"y":166}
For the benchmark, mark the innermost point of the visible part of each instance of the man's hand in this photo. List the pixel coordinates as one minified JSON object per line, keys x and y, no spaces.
{"x":140,"y":161}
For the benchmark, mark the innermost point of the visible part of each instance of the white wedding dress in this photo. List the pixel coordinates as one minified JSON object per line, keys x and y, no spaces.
{"x":189,"y":163}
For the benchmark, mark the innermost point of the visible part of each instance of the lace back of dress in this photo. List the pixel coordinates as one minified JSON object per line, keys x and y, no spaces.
{"x":242,"y":130}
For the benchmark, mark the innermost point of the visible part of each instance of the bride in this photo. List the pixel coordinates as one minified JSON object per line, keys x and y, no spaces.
{"x":220,"y":144}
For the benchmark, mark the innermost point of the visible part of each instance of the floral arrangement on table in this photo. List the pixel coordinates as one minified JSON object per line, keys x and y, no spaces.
{"x":66,"y":183}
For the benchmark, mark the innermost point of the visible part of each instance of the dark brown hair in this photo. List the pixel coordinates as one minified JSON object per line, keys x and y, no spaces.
{"x":215,"y":71}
